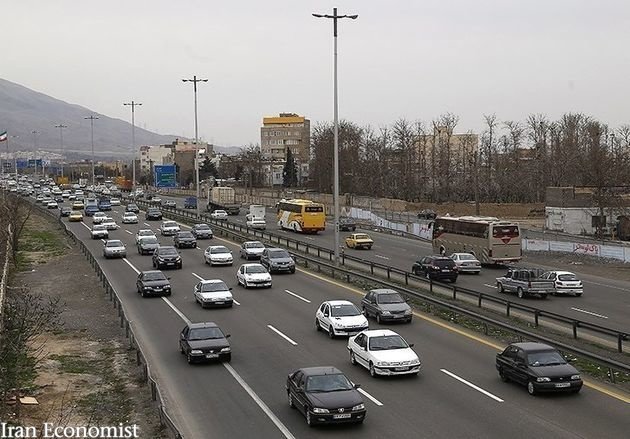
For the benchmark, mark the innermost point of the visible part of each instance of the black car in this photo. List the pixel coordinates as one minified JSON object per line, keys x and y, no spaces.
{"x":166,"y":256}
{"x":153,"y":214}
{"x":538,"y":366}
{"x":202,"y":231}
{"x":436,"y":268}
{"x":131,"y":207}
{"x":427,"y":214}
{"x":153,"y":283}
{"x":325,"y":395}
{"x":277,"y":259}
{"x":347,"y":224}
{"x":147,"y":245}
{"x":185,"y":239}
{"x":386,"y":305}
{"x":65,"y":211}
{"x":203,"y":342}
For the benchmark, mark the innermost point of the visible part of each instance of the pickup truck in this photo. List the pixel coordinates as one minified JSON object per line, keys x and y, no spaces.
{"x":525,"y":282}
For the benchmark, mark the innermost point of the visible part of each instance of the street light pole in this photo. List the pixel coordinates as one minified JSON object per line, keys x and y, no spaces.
{"x":92,"y":119}
{"x":61,"y":127}
{"x":133,"y":105}
{"x":35,"y":132}
{"x":336,"y":17}
{"x":195,"y":81}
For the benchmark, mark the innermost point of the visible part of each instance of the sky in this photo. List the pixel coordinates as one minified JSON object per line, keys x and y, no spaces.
{"x":412,"y":59}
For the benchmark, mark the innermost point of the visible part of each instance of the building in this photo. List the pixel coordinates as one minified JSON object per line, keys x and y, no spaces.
{"x":288,"y":130}
{"x":460,"y":147}
{"x":154,"y":155}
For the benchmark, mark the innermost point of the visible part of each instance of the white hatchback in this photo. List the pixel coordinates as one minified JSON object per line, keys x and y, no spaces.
{"x":213,"y":292}
{"x":340,"y":318}
{"x":253,"y":275}
{"x":169,"y":228}
{"x":219,"y":215}
{"x":129,"y":218}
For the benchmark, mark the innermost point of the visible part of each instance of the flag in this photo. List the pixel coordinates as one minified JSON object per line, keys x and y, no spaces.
{"x":3,"y":136}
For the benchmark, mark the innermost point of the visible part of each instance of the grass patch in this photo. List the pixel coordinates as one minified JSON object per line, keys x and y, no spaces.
{"x":41,"y":241}
{"x":73,"y":364}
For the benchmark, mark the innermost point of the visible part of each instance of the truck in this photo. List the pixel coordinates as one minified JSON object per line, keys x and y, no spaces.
{"x":222,"y":198}
{"x":190,"y":203}
{"x":256,"y":211}
{"x":525,"y":282}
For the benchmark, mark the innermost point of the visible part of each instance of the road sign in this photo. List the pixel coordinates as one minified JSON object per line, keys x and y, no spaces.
{"x":164,"y":176}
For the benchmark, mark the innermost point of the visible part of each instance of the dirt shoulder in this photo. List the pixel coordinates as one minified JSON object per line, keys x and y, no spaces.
{"x":583,"y":264}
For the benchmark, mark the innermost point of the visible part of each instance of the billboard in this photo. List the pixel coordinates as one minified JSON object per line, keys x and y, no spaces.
{"x":164,"y":176}
{"x":35,"y":163}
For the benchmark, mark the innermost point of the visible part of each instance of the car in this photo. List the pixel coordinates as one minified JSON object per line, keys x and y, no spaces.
{"x":153,"y":214}
{"x":129,"y":218}
{"x":104,"y":204}
{"x":144,"y":232}
{"x":565,"y":283}
{"x":185,"y":239}
{"x":347,"y":224}
{"x":340,"y":318}
{"x":427,"y":214}
{"x":152,"y":283}
{"x":436,"y":268}
{"x":39,"y":198}
{"x":220,"y":215}
{"x":277,"y":259}
{"x":359,"y":240}
{"x":385,"y":304}
{"x":76,"y":215}
{"x":218,"y":255}
{"x":65,"y":211}
{"x":77,"y":205}
{"x":52,"y":205}
{"x":72,"y":197}
{"x":190,"y":203}
{"x":169,"y":228}
{"x":99,"y":231}
{"x":466,"y":263}
{"x":110,"y":224}
{"x":213,"y":292}
{"x":204,"y":342}
{"x":202,"y":231}
{"x":65,"y":194}
{"x":90,"y":210}
{"x":383,"y":352}
{"x":114,"y":202}
{"x":253,"y":275}
{"x":324,"y":395}
{"x":256,"y":223}
{"x":132,"y":207}
{"x":98,"y":217}
{"x":166,"y":256}
{"x":147,"y":244}
{"x":539,"y":367}
{"x":114,"y":248}
{"x":169,"y":203}
{"x":251,"y":250}
{"x":156,"y":201}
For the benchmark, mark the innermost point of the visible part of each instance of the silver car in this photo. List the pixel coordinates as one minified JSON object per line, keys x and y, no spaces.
{"x":218,"y":255}
{"x":251,"y":250}
{"x":114,"y":248}
{"x":99,"y":231}
{"x":466,"y":263}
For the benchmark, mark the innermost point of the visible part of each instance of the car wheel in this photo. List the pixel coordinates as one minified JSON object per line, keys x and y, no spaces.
{"x":578,"y":294}
{"x":373,"y":370}
{"x":520,"y":293}
{"x":503,"y":377}
{"x":427,"y":275}
{"x":331,"y":332}
{"x":530,"y":388}
{"x":378,"y":318}
{"x":317,"y":327}
{"x":290,"y":399}
{"x":143,"y":294}
{"x":227,"y":358}
{"x":353,"y":360}
{"x":500,"y":286}
{"x":179,"y":266}
{"x":292,"y":271}
{"x":168,"y":294}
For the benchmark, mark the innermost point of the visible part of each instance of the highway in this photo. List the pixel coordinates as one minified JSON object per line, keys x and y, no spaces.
{"x":457,"y":395}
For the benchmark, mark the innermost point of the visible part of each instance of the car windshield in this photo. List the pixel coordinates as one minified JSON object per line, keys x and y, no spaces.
{"x":129,"y":214}
{"x":328,"y":383}
{"x":146,"y":233}
{"x":545,"y":358}
{"x":149,"y":240}
{"x":278,"y":254}
{"x":386,"y":342}
{"x":168,"y":251}
{"x":132,"y":206}
{"x":345,"y":310}
{"x":567,"y":277}
{"x":99,"y":227}
{"x":185,"y":235}
{"x":361,"y":237}
{"x":99,"y":215}
{"x":213,"y":287}
{"x":114,"y":244}
{"x":254,"y":245}
{"x":219,"y":250}
{"x":205,"y":334}
{"x":170,"y":224}
{"x":444,"y":263}
{"x":389,"y":298}
{"x":202,"y":227}
{"x":220,"y":212}
{"x":255,"y":269}
{"x":466,"y":257}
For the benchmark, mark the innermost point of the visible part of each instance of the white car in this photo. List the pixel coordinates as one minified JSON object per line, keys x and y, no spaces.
{"x":114,"y":201}
{"x":219,"y":215}
{"x":129,"y":218}
{"x":466,"y":263}
{"x":144,"y":232}
{"x":52,"y":205}
{"x":340,"y":317}
{"x":110,"y":224}
{"x":99,"y":217}
{"x":565,"y":282}
{"x":253,"y":275}
{"x":218,"y":255}
{"x":251,"y":249}
{"x":65,"y":194}
{"x":169,"y":228}
{"x":72,"y":197}
{"x":256,"y":223}
{"x":99,"y":231}
{"x":383,"y":352}
{"x":212,"y":292}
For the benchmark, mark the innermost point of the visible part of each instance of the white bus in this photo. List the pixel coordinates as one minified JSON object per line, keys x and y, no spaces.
{"x":491,"y":240}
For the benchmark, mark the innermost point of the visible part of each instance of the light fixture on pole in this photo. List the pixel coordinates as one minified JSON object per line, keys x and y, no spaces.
{"x":92,"y":119}
{"x":195,"y":80}
{"x":61,"y":127}
{"x":133,"y":105}
{"x":335,"y":17}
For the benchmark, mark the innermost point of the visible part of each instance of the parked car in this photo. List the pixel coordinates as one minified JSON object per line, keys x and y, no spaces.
{"x":150,"y":283}
{"x":185,"y":239}
{"x":166,"y":256}
{"x":190,"y":203}
{"x":565,"y":282}
{"x":386,"y":305}
{"x":251,"y":250}
{"x":253,"y":275}
{"x":114,"y":248}
{"x":436,"y":268}
{"x":324,"y":395}
{"x":340,"y":318}
{"x":359,"y":240}
{"x":347,"y":224}
{"x":213,"y":292}
{"x":466,"y":263}
{"x":218,"y":255}
{"x":153,"y":214}
{"x":383,"y":352}
{"x":256,"y":223}
{"x":525,"y":282}
{"x":129,"y":218}
{"x":169,"y":228}
{"x":203,"y":342}
{"x":144,"y":232}
{"x":220,"y":215}
{"x":202,"y":231}
{"x":147,"y":245}
{"x":98,"y":217}
{"x":99,"y":231}
{"x":277,"y":259}
{"x":132,"y":207}
{"x":76,"y":215}
{"x":427,"y":214}
{"x":65,"y":211}
{"x":538,"y":366}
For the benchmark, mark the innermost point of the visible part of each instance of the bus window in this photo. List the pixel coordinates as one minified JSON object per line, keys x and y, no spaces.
{"x":505,"y":232}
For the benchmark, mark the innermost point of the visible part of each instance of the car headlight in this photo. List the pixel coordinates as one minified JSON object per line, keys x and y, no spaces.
{"x":196,"y":352}
{"x":382,"y":363}
{"x":359,"y":407}
{"x":543,"y":379}
{"x":161,"y":259}
{"x":415,"y":362}
{"x":386,"y":313}
{"x":407,"y":312}
{"x":226,"y":349}
{"x":146,"y":287}
{"x":318,"y":410}
{"x":575,"y":377}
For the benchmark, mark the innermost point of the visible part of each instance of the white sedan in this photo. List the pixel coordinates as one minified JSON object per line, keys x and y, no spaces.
{"x":98,"y":217}
{"x":114,"y":202}
{"x":466,"y":263}
{"x":218,"y":255}
{"x":129,"y":218}
{"x":52,"y":205}
{"x":219,"y":215}
{"x":144,"y":232}
{"x":256,"y":223}
{"x":340,"y":317}
{"x":110,"y":224}
{"x":169,"y":228}
{"x":213,"y":292}
{"x":383,"y":352}
{"x":253,"y":275}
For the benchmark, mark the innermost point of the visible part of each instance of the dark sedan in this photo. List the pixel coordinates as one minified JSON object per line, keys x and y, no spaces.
{"x":65,"y":211}
{"x":166,"y":256}
{"x":147,"y":245}
{"x":325,"y":395}
{"x":436,"y":268}
{"x":386,"y":305}
{"x":185,"y":239}
{"x":153,"y":283}
{"x":538,"y":366}
{"x":204,"y":342}
{"x":202,"y":231}
{"x":131,"y":207}
{"x":153,"y":214}
{"x":347,"y":224}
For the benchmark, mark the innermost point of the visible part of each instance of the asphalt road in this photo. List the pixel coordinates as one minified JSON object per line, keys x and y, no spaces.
{"x":247,"y":398}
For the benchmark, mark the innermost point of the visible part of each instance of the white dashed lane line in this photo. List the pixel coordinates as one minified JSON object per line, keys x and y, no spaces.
{"x":590,"y":313}
{"x":370,"y":397}
{"x":297,"y":295}
{"x":489,"y":286}
{"x":471,"y":385}
{"x":282,"y":335}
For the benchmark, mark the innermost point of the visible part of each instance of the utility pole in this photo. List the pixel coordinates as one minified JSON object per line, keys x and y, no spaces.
{"x":133,"y":105}
{"x":61,"y":127}
{"x":92,"y":118}
{"x":35,"y":132}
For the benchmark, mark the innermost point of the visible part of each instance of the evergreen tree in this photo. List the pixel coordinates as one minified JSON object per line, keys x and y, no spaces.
{"x":289,"y":173}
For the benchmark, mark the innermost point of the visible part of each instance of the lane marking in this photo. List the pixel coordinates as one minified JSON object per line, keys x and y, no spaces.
{"x":177,"y":311}
{"x":282,"y":335}
{"x":86,"y":226}
{"x":201,"y":278}
{"x":128,"y":232}
{"x":370,"y":397}
{"x":131,"y":265}
{"x":297,"y":295}
{"x":471,"y":385}
{"x":382,"y":257}
{"x":490,"y":286}
{"x":197,"y":276}
{"x":147,"y":224}
{"x":605,"y":285}
{"x":589,"y":312}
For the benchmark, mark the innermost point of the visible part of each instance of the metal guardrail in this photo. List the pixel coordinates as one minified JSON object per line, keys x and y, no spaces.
{"x":392,"y":273}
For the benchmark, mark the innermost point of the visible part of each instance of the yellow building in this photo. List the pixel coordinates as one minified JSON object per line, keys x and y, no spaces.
{"x":287,"y":130}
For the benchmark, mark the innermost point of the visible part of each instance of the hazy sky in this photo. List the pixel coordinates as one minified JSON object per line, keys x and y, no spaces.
{"x":408,"y":58}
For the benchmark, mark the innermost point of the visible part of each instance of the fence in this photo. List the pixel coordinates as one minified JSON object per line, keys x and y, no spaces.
{"x":5,"y":273}
{"x":596,"y":250}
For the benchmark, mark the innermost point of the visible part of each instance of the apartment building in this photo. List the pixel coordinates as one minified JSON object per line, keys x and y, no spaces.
{"x":287,"y":130}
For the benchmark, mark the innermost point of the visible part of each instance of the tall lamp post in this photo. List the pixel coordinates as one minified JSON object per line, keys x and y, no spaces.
{"x":35,"y":133}
{"x":336,"y":17}
{"x":92,"y":118}
{"x":61,"y":127}
{"x":195,"y":80}
{"x":133,"y":105}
